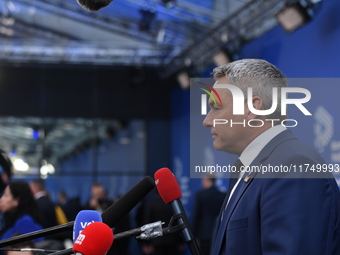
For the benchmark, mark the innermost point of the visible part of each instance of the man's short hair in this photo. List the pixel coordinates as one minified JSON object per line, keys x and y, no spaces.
{"x":39,"y":184}
{"x":258,"y":74}
{"x":97,"y":185}
{"x":211,"y":177}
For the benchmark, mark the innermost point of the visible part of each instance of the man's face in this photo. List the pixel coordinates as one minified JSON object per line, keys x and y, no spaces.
{"x":98,"y":192}
{"x":231,"y":139}
{"x":33,"y":188}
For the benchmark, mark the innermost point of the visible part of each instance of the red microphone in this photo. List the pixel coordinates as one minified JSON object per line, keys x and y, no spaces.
{"x":169,"y":190}
{"x":167,"y":185}
{"x":95,"y":239}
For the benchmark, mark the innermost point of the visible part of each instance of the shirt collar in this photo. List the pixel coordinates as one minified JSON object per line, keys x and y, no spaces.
{"x":39,"y":194}
{"x":254,"y":148}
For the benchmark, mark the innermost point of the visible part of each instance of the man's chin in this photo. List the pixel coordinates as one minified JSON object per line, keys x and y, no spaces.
{"x":217,"y":146}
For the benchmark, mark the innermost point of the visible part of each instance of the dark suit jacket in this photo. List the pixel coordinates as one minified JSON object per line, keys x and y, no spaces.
{"x":206,"y":208}
{"x":293,"y":216}
{"x":157,"y":210}
{"x":71,"y":208}
{"x":47,"y":208}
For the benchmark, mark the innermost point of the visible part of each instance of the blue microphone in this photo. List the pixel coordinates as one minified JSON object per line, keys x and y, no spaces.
{"x":83,"y":219}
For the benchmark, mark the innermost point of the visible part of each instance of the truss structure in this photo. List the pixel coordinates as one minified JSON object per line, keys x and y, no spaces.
{"x":249,"y":22}
{"x":181,"y":42}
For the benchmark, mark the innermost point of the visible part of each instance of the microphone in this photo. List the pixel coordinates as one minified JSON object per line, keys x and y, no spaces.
{"x":127,"y":202}
{"x":170,"y":192}
{"x":146,"y":232}
{"x":95,"y":239}
{"x":110,"y":216}
{"x":83,"y":219}
{"x":94,"y":5}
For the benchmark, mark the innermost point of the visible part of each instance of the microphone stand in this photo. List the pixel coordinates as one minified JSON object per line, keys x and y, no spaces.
{"x":29,"y":249}
{"x":146,"y":232}
{"x":37,"y":234}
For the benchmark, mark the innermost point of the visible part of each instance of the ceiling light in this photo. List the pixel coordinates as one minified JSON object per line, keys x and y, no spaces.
{"x":31,"y":10}
{"x":161,"y":35}
{"x":20,"y":165}
{"x":187,"y":62}
{"x":183,"y":79}
{"x":7,"y":21}
{"x":47,"y":169}
{"x":221,"y":58}
{"x":224,"y":37}
{"x":12,"y":7}
{"x":169,"y":3}
{"x":6,"y":31}
{"x":295,"y":15}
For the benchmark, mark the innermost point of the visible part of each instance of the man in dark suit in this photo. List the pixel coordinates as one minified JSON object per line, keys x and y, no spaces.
{"x":48,"y":215}
{"x":283,"y":212}
{"x":46,"y":206}
{"x":157,"y":210}
{"x":207,"y":205}
{"x":70,"y":206}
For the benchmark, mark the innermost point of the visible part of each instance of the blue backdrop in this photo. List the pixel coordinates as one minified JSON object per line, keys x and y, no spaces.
{"x":309,"y":52}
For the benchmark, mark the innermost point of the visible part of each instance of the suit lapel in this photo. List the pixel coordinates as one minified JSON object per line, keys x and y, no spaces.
{"x":216,"y":235}
{"x":221,"y":229}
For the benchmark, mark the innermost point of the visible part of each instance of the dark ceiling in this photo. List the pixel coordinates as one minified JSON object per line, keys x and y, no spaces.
{"x":64,"y":69}
{"x":130,"y":32}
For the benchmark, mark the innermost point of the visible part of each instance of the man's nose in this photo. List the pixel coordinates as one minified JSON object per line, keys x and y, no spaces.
{"x":207,"y":122}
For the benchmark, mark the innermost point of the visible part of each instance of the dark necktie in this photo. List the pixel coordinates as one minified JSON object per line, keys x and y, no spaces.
{"x":234,"y":177}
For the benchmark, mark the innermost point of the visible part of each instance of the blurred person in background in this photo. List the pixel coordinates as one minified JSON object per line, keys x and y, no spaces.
{"x":49,"y":211}
{"x":70,"y":206}
{"x":121,"y":247}
{"x":46,"y":206}
{"x":99,"y":200}
{"x":6,"y":170}
{"x":157,"y":210}
{"x":207,"y":205}
{"x":20,"y":211}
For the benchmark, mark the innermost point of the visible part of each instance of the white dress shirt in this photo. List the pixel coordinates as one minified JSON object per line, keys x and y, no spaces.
{"x":254,"y":148}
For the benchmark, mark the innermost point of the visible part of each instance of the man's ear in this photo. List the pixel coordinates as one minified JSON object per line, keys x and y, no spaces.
{"x":258,"y":105}
{"x":16,"y":201}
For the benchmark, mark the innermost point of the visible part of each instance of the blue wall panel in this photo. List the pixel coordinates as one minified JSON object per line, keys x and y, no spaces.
{"x":309,"y":52}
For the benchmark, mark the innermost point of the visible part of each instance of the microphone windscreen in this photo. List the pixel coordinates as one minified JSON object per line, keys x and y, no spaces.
{"x":95,"y":239}
{"x":83,"y":219}
{"x":127,"y":202}
{"x":167,"y":185}
{"x":93,"y":5}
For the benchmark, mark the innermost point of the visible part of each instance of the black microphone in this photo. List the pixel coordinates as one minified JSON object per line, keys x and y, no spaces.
{"x":94,"y":5}
{"x":170,"y":192}
{"x":36,"y":234}
{"x":127,"y":202}
{"x":110,"y":216}
{"x":145,"y":233}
